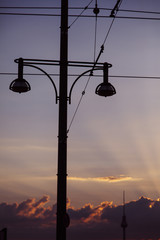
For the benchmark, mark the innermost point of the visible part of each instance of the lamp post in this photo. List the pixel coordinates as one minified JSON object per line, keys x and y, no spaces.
{"x":105,"y":89}
{"x":62,"y":217}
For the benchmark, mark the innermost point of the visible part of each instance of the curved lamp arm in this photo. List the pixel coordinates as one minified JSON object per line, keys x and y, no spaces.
{"x":21,"y":85}
{"x":28,"y":65}
{"x":91,"y":71}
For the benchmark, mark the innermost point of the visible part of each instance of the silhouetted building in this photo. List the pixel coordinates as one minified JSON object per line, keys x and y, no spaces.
{"x":3,"y":234}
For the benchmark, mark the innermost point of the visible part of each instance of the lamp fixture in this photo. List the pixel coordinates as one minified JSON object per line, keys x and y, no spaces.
{"x":20,"y":85}
{"x":105,"y":89}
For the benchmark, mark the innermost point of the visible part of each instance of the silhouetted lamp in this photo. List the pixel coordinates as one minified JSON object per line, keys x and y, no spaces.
{"x":105,"y":89}
{"x":20,"y":85}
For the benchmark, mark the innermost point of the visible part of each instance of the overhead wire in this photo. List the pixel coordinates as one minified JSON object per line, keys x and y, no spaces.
{"x":80,"y":13}
{"x":96,"y":12}
{"x":76,"y":8}
{"x":44,"y":8}
{"x":82,"y":16}
{"x":34,"y":14}
{"x":81,"y":8}
{"x":76,"y":75}
{"x":113,"y":14}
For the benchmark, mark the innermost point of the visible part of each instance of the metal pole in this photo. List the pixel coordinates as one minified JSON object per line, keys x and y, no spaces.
{"x":62,"y":219}
{"x":124,"y":221}
{"x":124,"y":233}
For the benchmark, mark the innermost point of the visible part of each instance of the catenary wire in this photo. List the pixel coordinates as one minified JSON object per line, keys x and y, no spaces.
{"x":80,"y":8}
{"x":76,"y":75}
{"x":83,"y":16}
{"x":96,"y":11}
{"x":115,"y":10}
{"x":44,"y":8}
{"x":79,"y":102}
{"x":95,"y":40}
{"x":120,"y":2}
{"x":80,"y":13}
{"x":95,"y":62}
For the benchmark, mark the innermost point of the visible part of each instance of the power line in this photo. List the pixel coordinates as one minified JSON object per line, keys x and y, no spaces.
{"x":34,"y":14}
{"x":80,"y":8}
{"x":80,"y":13}
{"x":76,"y":75}
{"x":113,"y":14}
{"x":96,"y":11}
{"x":82,"y":16}
{"x":116,"y":8}
{"x":135,"y":11}
{"x":45,"y":8}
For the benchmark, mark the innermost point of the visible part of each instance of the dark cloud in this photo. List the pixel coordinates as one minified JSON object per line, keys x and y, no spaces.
{"x":36,"y":220}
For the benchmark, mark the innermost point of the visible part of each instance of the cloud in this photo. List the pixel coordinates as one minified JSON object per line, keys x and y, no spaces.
{"x":31,"y":207}
{"x":109,"y":179}
{"x":106,"y":179}
{"x":35,"y":219}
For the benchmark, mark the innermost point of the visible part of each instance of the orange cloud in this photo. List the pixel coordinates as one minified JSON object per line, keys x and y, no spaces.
{"x":106,"y":179}
{"x":31,"y":207}
{"x":32,"y":219}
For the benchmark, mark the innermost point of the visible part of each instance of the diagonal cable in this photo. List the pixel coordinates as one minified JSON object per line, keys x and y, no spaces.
{"x":116,"y":8}
{"x":80,"y":13}
{"x":96,"y":11}
{"x":80,"y":100}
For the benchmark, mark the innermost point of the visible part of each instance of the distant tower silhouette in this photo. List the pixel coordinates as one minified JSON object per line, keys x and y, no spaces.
{"x":124,"y":222}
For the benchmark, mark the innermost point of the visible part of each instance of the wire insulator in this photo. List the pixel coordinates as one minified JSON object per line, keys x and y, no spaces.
{"x":96,"y":10}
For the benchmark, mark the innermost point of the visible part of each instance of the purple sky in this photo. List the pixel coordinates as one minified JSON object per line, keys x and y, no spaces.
{"x":113,"y":143}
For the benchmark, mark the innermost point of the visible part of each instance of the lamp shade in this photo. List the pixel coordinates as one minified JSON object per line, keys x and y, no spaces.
{"x":20,"y":86}
{"x":105,"y":89}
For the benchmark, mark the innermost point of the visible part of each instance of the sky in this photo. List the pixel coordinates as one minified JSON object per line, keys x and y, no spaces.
{"x":113,"y":142}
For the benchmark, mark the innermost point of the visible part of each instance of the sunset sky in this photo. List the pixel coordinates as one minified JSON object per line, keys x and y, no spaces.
{"x":113,"y":143}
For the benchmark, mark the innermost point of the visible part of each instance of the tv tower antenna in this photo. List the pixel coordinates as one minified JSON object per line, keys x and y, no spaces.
{"x":124,"y":224}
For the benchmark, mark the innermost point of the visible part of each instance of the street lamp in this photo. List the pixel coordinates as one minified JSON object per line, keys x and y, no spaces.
{"x":105,"y":89}
{"x":20,"y":85}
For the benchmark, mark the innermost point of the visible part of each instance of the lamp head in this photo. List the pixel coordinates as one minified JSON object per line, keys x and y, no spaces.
{"x":20,"y":85}
{"x":105,"y":89}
